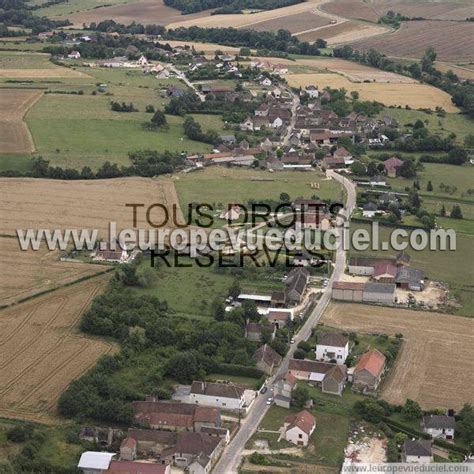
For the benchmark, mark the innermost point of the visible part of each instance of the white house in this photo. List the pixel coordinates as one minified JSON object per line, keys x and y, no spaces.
{"x":312,"y":91}
{"x":332,"y":346}
{"x":219,"y":395}
{"x":247,"y":125}
{"x":74,"y":55}
{"x":439,"y":426}
{"x":298,"y":428}
{"x":94,"y":462}
{"x":370,"y":209}
{"x":378,"y":181}
{"x":232,"y":213}
{"x":277,"y":123}
{"x":142,"y":61}
{"x":418,"y":451}
{"x":276,"y":93}
{"x":266,"y":82}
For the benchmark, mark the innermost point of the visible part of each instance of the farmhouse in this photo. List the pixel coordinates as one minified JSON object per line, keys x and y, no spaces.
{"x":278,"y":299}
{"x":385,"y":272}
{"x":439,"y":426}
{"x":219,"y":395}
{"x":363,"y":266}
{"x":296,"y":284}
{"x":266,"y":358}
{"x":152,"y":441}
{"x":417,"y":451}
{"x":279,"y":318}
{"x":175,"y":416}
{"x":332,"y":377}
{"x":382,"y":293}
{"x":369,"y":370}
{"x":348,"y":291}
{"x":369,"y":209}
{"x":128,"y":449}
{"x":332,"y":347}
{"x":298,"y":428}
{"x":313,"y":221}
{"x":128,"y":467}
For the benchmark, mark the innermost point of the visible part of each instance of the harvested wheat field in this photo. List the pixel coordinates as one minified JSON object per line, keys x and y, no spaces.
{"x":414,"y":95}
{"x":426,"y":369}
{"x":33,"y":272}
{"x":56,"y":204}
{"x":15,"y":136}
{"x":453,"y":41}
{"x":59,"y":72}
{"x":42,"y":350}
{"x":145,"y":12}
{"x":245,"y":20}
{"x":293,"y":23}
{"x":353,"y":71}
{"x":358,"y":9}
{"x":463,"y":71}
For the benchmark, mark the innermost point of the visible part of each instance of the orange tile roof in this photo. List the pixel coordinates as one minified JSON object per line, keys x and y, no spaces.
{"x":372,"y":361}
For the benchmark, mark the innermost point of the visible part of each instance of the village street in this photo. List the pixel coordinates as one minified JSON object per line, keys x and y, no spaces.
{"x":230,"y":459}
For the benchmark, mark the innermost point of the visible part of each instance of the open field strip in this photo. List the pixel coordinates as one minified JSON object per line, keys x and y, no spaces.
{"x":89,"y":204}
{"x":32,"y":272}
{"x":41,"y":350}
{"x":414,"y":95}
{"x":15,"y":136}
{"x":425,"y":370}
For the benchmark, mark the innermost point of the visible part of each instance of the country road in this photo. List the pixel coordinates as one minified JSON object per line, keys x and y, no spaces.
{"x":230,"y":460}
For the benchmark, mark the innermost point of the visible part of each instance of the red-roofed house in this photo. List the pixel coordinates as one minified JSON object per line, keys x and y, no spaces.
{"x":130,"y":467}
{"x":128,"y":449}
{"x":299,"y":427}
{"x":369,"y":370}
{"x":391,"y":166}
{"x":385,"y":272}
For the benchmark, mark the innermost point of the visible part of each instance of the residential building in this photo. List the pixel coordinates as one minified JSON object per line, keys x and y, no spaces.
{"x":369,"y":370}
{"x":74,"y":55}
{"x":392,"y":165}
{"x":94,"y":462}
{"x":417,"y":451}
{"x":335,"y":380}
{"x":152,"y":441}
{"x":312,"y":92}
{"x":266,"y":358}
{"x":332,"y":347}
{"x":279,"y":318}
{"x":131,"y":467}
{"x":378,"y":181}
{"x":385,"y":272}
{"x":439,"y":426}
{"x":283,"y":387}
{"x":296,"y":284}
{"x":175,"y":416}
{"x":369,"y":209}
{"x":231,"y":213}
{"x":128,"y":449}
{"x":228,"y":396}
{"x":255,"y":331}
{"x":298,"y":428}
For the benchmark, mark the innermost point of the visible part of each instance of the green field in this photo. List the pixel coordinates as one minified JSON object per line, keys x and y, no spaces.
{"x":24,"y":60}
{"x":74,"y":6}
{"x":217,"y":184}
{"x":452,"y":123}
{"x":451,"y":267}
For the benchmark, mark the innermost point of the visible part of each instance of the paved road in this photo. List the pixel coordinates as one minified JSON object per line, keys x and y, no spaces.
{"x":181,"y":75}
{"x":230,"y":459}
{"x":291,"y":127}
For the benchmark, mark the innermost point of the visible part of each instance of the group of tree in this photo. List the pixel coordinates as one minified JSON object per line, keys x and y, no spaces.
{"x":122,"y":107}
{"x":227,"y":6}
{"x":193,"y":131}
{"x":392,"y":18}
{"x":157,"y":122}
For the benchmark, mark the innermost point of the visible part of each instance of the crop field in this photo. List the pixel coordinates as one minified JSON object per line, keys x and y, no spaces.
{"x":425,"y":362}
{"x":74,"y":6}
{"x":293,"y":23}
{"x":224,"y":185}
{"x":453,"y":41}
{"x":42,"y":351}
{"x":32,"y":272}
{"x":14,"y":134}
{"x":374,"y":10}
{"x":22,"y":65}
{"x":464,"y":71}
{"x":57,"y":204}
{"x":414,"y":95}
{"x":353,"y":71}
{"x":144,"y":12}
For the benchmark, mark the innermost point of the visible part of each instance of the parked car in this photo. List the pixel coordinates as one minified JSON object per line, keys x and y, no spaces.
{"x":263,"y":390}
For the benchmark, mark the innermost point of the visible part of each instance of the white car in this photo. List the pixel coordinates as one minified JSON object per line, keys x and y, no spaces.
{"x":292,"y":341}
{"x":270,"y":401}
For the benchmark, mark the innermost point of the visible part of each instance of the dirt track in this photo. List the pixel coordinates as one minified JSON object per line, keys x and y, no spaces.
{"x":434,"y":366}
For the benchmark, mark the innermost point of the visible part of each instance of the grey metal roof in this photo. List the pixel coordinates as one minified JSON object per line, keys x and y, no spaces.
{"x":379,"y":287}
{"x":413,"y":276}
